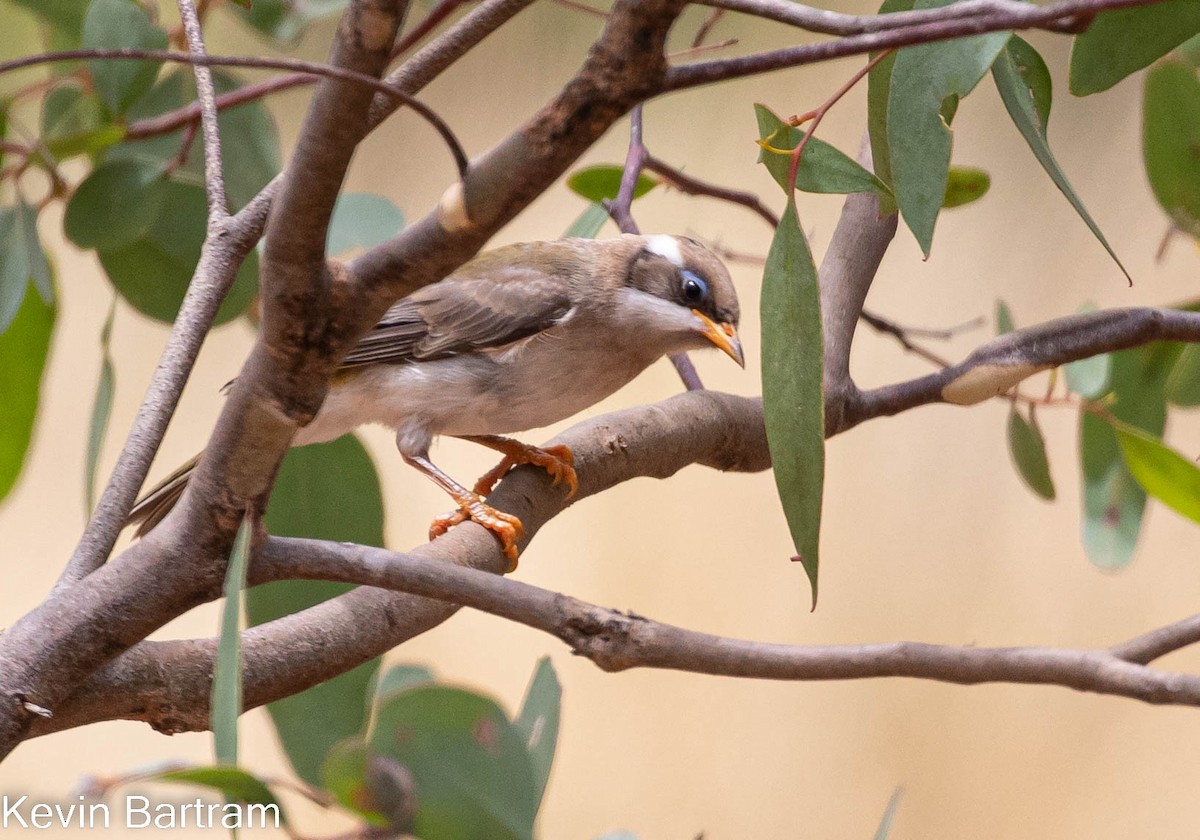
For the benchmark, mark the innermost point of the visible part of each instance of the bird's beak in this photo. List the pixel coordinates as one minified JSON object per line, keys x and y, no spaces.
{"x":722,"y":335}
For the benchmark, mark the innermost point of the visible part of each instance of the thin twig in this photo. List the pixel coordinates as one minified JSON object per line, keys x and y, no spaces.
{"x":694,"y":186}
{"x":436,"y":15}
{"x":214,"y":183}
{"x":190,"y":114}
{"x":706,"y":27}
{"x":254,"y":62}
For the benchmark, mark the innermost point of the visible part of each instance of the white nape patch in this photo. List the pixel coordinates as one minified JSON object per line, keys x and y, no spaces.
{"x":665,"y":246}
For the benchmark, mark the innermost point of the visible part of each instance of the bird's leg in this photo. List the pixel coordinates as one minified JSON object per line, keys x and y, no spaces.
{"x":558,"y":461}
{"x":507,"y":528}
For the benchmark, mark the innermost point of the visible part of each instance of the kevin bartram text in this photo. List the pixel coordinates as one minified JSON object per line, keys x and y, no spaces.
{"x":134,"y":811}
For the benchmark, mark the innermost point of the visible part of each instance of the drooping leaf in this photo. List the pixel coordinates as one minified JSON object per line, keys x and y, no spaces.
{"x":24,"y":347}
{"x":152,"y":273}
{"x":597,"y":183}
{"x":101,"y":411}
{"x":889,"y":813}
{"x":1161,"y":471}
{"x":227,"y":670}
{"x":234,"y":783}
{"x":473,"y":774}
{"x":918,"y":137}
{"x":1124,"y":41}
{"x":121,"y":24}
{"x":361,"y":220}
{"x":1113,"y":502}
{"x":249,"y":139}
{"x":1021,"y":99}
{"x":1028,"y":450}
{"x":326,"y":491}
{"x":1004,"y":318}
{"x":879,"y":85}
{"x":793,"y":399}
{"x":822,"y":169}
{"x":115,"y":205}
{"x":286,"y":20}
{"x":22,"y":261}
{"x":964,"y":185}
{"x":1035,"y":75}
{"x":1183,"y":385}
{"x":1171,"y":142}
{"x":589,"y":222}
{"x":538,"y":721}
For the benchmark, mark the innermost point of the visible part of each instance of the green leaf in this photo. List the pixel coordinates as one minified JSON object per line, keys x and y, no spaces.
{"x":822,"y":169}
{"x":401,"y":678}
{"x":101,"y":411}
{"x":889,"y":813}
{"x":879,"y":84}
{"x":4,"y":106}
{"x":153,"y":272}
{"x":121,"y":24}
{"x":473,"y":775}
{"x":1004,"y":318}
{"x":1020,"y":100}
{"x":1090,"y":377}
{"x":65,"y":16}
{"x":227,"y":670}
{"x":964,"y":185}
{"x":327,"y":491}
{"x":1036,"y":77}
{"x":589,"y":222}
{"x":74,"y":123}
{"x":1124,"y":41}
{"x":245,"y":4}
{"x":1113,"y":502}
{"x":597,"y":183}
{"x":344,"y":774}
{"x":1171,"y":142}
{"x":539,"y":719}
{"x":1189,"y":52}
{"x":918,"y":137}
{"x":362,"y":220}
{"x":249,"y":139}
{"x":1161,"y":471}
{"x":21,"y":261}
{"x":793,"y":399}
{"x":286,"y":20}
{"x":23,"y":351}
{"x":1183,"y":385}
{"x":115,"y":205}
{"x":234,"y":783}
{"x":1028,"y":450}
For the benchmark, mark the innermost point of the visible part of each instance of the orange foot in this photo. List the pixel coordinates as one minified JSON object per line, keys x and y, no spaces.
{"x":558,"y":461}
{"x":507,"y":528}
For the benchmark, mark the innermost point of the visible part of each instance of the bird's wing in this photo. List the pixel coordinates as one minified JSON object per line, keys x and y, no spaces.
{"x":461,"y":315}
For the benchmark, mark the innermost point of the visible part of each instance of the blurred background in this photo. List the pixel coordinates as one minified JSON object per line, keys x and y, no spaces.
{"x":928,"y":533}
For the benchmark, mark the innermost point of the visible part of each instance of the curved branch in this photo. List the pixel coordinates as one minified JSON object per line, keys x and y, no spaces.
{"x":943,"y":25}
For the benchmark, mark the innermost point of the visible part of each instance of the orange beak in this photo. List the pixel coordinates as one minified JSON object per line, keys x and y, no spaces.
{"x":722,"y":335}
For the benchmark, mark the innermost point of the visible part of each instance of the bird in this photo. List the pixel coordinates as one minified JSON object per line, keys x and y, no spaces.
{"x":518,"y":338}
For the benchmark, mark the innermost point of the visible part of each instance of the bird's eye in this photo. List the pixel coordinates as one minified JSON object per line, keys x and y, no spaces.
{"x":694,"y":287}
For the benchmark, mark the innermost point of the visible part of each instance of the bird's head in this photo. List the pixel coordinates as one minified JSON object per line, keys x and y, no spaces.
{"x":693,"y":298}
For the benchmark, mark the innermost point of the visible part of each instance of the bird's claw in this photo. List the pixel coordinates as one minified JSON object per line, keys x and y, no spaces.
{"x":507,"y":528}
{"x":557,"y":461}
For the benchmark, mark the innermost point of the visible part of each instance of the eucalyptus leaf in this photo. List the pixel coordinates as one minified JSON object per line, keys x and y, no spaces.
{"x":793,"y":398}
{"x":362,"y":220}
{"x":234,"y":783}
{"x":538,"y":721}
{"x":1161,"y":471}
{"x":1123,"y":41}
{"x":1004,"y":318}
{"x":401,"y":678}
{"x":473,"y":773}
{"x":101,"y":411}
{"x":822,"y":169}
{"x":286,"y":20}
{"x":115,"y":205}
{"x":121,"y":24}
{"x":879,"y":84}
{"x":598,"y":183}
{"x":1183,"y":385}
{"x":589,"y":223}
{"x":889,"y":814}
{"x":918,"y":137}
{"x":1028,"y":450}
{"x":24,"y":348}
{"x":65,"y":16}
{"x":227,"y":669}
{"x":327,"y":491}
{"x":153,"y":272}
{"x":344,"y":774}
{"x":1021,"y":100}
{"x":22,"y":261}
{"x":1171,"y":142}
{"x":965,"y":185}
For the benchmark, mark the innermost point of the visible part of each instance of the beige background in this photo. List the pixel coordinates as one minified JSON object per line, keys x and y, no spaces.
{"x":928,"y":533}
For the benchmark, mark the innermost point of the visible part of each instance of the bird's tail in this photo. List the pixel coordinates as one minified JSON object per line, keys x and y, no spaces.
{"x":157,"y":502}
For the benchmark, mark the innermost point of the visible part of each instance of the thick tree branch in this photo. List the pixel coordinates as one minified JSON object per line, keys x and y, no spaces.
{"x":942,"y":25}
